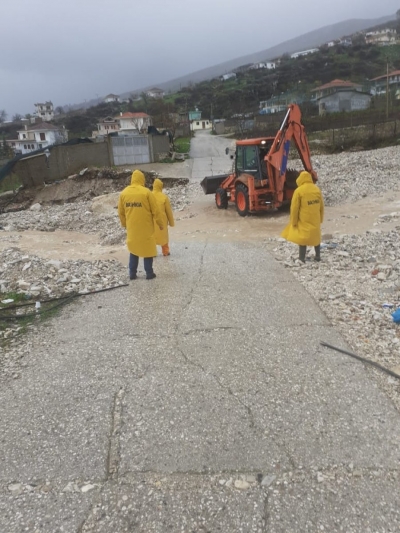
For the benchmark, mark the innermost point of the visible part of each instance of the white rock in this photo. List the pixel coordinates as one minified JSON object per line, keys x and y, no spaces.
{"x":35,"y":207}
{"x":241,"y":485}
{"x":87,"y":488}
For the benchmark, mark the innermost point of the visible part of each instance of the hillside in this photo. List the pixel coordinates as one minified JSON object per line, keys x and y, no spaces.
{"x":308,"y":40}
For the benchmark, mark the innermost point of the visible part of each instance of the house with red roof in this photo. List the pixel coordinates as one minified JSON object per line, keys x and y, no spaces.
{"x":340,"y":95}
{"x":133,"y":123}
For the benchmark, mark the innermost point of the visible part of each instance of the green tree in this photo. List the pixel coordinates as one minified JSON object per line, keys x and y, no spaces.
{"x":3,"y":116}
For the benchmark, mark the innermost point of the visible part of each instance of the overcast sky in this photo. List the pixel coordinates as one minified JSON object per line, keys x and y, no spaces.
{"x":69,"y":51}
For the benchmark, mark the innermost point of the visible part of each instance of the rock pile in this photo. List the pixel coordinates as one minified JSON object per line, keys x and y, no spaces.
{"x":81,"y":217}
{"x":347,"y":177}
{"x":357,"y":284}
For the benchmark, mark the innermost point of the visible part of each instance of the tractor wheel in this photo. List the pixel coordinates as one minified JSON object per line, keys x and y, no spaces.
{"x":221,"y":198}
{"x":242,"y":200}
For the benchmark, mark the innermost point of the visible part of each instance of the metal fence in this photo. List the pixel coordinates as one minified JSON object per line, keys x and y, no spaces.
{"x":131,"y":150}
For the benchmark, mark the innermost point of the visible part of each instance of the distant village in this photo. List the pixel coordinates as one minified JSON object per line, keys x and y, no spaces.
{"x":38,"y":130}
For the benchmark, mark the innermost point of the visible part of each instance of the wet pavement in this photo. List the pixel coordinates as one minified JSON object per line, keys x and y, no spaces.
{"x":198,"y":401}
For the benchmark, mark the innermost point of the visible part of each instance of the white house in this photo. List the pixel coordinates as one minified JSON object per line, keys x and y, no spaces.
{"x":381,"y":37}
{"x":155,"y":92}
{"x":265,"y":64}
{"x":106,"y":126}
{"x":111,"y":98}
{"x":133,"y":123}
{"x":45,"y":111}
{"x":304,"y":53}
{"x":201,"y":124}
{"x":38,"y":136}
{"x":228,"y":76}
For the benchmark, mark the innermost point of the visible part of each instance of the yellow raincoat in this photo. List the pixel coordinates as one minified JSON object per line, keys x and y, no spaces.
{"x":167,"y":217}
{"x":306,"y":213}
{"x":137,"y":210}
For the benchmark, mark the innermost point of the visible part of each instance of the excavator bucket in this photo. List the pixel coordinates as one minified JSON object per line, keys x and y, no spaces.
{"x":210,"y":184}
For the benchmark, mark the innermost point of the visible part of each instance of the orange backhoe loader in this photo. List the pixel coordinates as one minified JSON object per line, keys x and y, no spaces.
{"x":260,"y":180}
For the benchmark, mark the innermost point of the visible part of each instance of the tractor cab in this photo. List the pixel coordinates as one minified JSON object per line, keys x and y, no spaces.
{"x":250,"y":158}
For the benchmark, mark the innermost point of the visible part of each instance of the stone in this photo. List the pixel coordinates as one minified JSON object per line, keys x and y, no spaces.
{"x":15,"y":487}
{"x":320,"y":477}
{"x":23,"y":284}
{"x":87,"y":488}
{"x":241,"y":485}
{"x":267,"y":481}
{"x":35,"y":207}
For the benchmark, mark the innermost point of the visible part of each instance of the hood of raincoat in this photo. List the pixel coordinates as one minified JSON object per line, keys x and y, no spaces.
{"x":138,"y":178}
{"x":305,"y":177}
{"x":158,"y":185}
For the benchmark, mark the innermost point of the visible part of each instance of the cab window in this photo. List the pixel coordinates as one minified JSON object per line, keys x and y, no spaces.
{"x":250,"y":159}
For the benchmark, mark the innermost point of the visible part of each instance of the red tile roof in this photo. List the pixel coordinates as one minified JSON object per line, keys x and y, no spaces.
{"x":393,"y":73}
{"x":43,"y":126}
{"x":133,"y":115}
{"x":335,"y":84}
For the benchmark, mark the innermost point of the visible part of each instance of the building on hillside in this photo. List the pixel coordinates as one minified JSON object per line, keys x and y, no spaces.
{"x":276,"y":104}
{"x":333,"y":87}
{"x":44,"y":111}
{"x":379,"y":84}
{"x":331,"y":44}
{"x":304,"y":53}
{"x":346,"y":41}
{"x":381,"y":37}
{"x":266,"y":64}
{"x":133,"y":123}
{"x":155,"y":92}
{"x":106,"y":126}
{"x":111,"y":98}
{"x":344,"y":101}
{"x":228,"y":76}
{"x":244,"y":68}
{"x":38,"y":136}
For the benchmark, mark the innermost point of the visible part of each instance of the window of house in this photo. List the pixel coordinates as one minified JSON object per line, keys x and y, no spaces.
{"x":40,"y":145}
{"x":23,"y":136}
{"x":197,"y":123}
{"x":42,"y":136}
{"x":24,"y":146}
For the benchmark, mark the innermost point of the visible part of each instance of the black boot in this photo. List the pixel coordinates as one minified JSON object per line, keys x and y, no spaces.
{"x":317,"y":252}
{"x":302,"y":253}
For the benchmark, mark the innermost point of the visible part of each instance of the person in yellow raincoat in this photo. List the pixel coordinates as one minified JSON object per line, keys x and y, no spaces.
{"x":306,"y":217}
{"x":138,"y":211}
{"x":164,"y":206}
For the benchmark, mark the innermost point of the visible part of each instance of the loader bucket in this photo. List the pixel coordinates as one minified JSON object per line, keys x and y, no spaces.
{"x":211,"y":183}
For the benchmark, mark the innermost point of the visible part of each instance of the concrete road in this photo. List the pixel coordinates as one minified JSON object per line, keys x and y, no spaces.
{"x":201,"y":401}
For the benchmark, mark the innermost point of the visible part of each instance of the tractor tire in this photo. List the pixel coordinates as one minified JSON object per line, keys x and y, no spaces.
{"x":242,"y":200}
{"x":221,"y":198}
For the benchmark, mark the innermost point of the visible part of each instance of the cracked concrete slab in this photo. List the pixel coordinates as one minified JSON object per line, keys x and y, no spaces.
{"x":348,"y":504}
{"x":45,"y":512}
{"x":157,"y":503}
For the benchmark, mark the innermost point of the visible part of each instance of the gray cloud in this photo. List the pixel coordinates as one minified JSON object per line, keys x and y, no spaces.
{"x":72,"y":51}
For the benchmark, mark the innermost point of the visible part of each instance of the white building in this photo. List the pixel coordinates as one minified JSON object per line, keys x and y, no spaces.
{"x":106,"y":126}
{"x":155,"y":92}
{"x":133,"y":123}
{"x":229,"y":76}
{"x":111,"y":98}
{"x":45,"y":111}
{"x":265,"y":64}
{"x":304,"y":53}
{"x":38,"y":136}
{"x":381,"y":37}
{"x":201,"y":124}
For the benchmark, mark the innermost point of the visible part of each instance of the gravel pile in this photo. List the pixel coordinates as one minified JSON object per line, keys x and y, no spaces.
{"x":349,"y":176}
{"x":37,"y":279}
{"x":80,"y":217}
{"x":357,"y":285}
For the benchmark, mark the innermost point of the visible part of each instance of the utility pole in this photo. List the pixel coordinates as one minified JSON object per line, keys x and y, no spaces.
{"x":387,"y":88}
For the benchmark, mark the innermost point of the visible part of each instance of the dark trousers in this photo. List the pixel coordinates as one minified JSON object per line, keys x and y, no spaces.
{"x":303,"y":250}
{"x":134,"y":262}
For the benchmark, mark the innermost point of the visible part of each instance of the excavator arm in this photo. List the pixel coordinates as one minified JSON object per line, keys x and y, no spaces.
{"x":291,"y":130}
